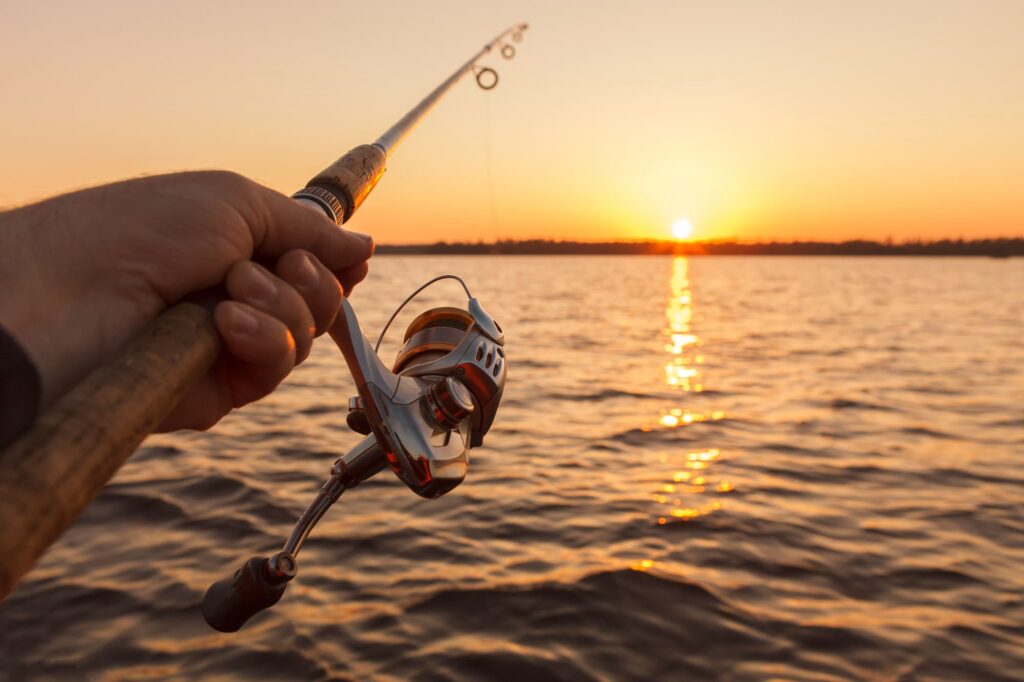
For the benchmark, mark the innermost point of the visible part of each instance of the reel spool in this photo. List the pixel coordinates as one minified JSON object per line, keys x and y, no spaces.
{"x":431,"y":336}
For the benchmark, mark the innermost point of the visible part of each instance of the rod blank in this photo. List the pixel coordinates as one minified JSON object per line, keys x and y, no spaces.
{"x":396,"y":133}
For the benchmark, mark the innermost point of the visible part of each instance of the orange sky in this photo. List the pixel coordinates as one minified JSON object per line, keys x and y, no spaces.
{"x":755,"y":120}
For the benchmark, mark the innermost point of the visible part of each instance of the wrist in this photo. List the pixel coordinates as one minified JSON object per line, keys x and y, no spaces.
{"x":41,"y":303}
{"x":19,"y":389}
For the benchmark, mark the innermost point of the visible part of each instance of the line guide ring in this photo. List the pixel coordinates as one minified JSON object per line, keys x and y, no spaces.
{"x":486,"y":77}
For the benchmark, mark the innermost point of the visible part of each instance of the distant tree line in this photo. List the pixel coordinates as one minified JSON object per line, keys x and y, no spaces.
{"x":996,"y":248}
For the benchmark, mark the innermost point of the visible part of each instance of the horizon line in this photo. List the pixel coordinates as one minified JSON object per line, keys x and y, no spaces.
{"x":888,"y":242}
{"x":996,"y":248}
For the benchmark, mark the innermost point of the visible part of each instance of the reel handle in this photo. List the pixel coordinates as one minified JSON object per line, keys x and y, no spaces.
{"x":256,"y":586}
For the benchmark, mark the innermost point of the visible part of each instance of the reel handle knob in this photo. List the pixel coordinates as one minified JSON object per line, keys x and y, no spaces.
{"x":257,"y":585}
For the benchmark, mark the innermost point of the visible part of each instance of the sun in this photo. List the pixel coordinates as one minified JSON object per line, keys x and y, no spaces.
{"x":682,"y":229}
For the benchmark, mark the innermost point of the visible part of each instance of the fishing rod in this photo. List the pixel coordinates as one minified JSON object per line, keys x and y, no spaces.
{"x":420,"y":417}
{"x":341,"y":187}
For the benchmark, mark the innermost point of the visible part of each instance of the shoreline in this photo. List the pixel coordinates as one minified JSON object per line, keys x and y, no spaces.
{"x":990,"y":248}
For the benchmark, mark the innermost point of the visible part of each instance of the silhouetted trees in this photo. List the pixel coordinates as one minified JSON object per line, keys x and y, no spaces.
{"x":996,"y":248}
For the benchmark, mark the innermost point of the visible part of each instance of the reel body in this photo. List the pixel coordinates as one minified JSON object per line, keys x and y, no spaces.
{"x":420,"y":418}
{"x":439,"y":400}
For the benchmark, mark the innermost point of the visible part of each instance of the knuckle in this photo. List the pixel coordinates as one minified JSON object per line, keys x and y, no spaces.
{"x":239,"y":267}
{"x":206,"y":422}
{"x":241,"y":193}
{"x":224,"y":182}
{"x":230,"y":180}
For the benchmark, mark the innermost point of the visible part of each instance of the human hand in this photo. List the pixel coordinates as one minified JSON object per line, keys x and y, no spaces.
{"x":83,"y":273}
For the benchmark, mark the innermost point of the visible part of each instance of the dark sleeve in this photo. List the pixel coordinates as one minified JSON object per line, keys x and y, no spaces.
{"x":19,"y":389}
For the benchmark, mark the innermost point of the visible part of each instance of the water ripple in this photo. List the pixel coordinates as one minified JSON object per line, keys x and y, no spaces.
{"x":733,"y":468}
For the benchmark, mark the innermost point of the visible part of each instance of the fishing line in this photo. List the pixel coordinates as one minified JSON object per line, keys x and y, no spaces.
{"x":488,"y":163}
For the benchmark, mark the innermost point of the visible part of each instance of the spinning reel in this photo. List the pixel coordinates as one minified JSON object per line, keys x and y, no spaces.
{"x":420,"y":418}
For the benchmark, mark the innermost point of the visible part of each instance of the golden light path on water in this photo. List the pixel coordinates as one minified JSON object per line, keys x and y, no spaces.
{"x":686,"y":495}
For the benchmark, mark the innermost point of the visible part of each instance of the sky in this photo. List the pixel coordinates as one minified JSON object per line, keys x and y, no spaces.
{"x":753,"y":120}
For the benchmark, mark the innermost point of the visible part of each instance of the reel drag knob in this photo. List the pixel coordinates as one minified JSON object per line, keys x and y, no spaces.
{"x":450,"y":402}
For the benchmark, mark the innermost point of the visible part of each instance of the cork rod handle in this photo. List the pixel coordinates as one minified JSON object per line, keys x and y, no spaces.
{"x":52,"y":471}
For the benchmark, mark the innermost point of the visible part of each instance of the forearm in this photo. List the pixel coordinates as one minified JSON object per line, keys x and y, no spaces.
{"x":21,"y":308}
{"x":46,"y":252}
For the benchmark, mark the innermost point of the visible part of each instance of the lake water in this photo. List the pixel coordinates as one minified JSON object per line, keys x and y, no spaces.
{"x":739,"y":468}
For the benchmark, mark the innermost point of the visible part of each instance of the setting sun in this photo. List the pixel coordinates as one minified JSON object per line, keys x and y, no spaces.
{"x":682,"y":229}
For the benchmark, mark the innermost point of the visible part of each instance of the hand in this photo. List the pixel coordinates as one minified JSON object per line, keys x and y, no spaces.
{"x":81,"y":274}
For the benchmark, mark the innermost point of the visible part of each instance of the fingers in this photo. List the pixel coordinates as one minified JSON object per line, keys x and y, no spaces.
{"x":286,"y":224}
{"x":254,"y":285}
{"x":267,"y":329}
{"x":318,"y":286}
{"x":352,"y":276}
{"x":262,"y":351}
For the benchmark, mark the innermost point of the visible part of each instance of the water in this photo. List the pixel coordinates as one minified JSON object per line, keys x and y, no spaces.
{"x":746,"y":468}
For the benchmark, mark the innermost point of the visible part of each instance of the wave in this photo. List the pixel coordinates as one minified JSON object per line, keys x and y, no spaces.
{"x":850,"y":404}
{"x":930,"y":433}
{"x":627,"y":615}
{"x":598,"y":396}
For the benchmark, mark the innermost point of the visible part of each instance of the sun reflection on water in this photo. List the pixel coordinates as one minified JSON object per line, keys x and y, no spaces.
{"x":691,"y":491}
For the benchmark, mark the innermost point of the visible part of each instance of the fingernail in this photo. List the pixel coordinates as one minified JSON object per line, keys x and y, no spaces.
{"x":307,"y":274}
{"x":365,"y":237}
{"x":368,"y":240}
{"x":243,"y":322}
{"x":261,"y":287}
